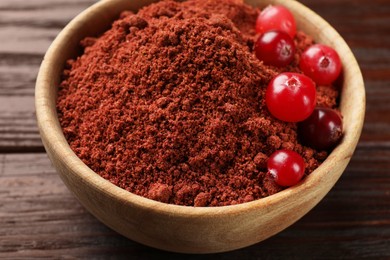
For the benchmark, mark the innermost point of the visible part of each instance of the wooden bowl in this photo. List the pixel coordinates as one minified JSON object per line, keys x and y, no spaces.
{"x":182,"y":228}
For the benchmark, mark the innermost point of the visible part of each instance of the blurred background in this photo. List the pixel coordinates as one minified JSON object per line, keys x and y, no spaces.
{"x":40,"y":218}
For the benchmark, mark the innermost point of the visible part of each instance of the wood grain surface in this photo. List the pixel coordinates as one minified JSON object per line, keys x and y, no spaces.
{"x":40,"y":218}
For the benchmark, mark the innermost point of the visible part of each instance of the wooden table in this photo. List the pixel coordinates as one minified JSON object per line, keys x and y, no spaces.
{"x":40,"y":218}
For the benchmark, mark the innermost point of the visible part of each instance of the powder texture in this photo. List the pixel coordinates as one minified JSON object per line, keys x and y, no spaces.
{"x":169,"y":104}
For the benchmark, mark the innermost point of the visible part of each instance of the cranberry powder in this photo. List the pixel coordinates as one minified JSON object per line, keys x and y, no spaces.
{"x":169,"y":104}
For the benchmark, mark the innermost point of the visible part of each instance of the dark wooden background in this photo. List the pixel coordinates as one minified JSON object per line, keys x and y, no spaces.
{"x":40,"y":218}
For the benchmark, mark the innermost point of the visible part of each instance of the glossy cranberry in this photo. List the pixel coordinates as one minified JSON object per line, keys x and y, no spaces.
{"x":291,"y":97}
{"x":276,"y":17}
{"x":321,"y":63}
{"x":286,"y":166}
{"x":322,"y":130}
{"x":275,"y":48}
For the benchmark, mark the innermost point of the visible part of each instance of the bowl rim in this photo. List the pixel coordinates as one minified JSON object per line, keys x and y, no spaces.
{"x":49,"y":126}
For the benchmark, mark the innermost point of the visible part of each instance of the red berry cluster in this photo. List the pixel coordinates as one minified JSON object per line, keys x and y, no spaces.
{"x":291,"y":97}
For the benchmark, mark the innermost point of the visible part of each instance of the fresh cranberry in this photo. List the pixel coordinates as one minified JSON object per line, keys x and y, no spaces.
{"x":291,"y":97}
{"x":276,"y":17}
{"x":286,"y":166}
{"x":275,"y":48}
{"x":321,"y":63}
{"x":322,"y":130}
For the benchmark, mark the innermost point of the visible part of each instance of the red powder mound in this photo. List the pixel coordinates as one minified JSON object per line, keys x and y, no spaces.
{"x":169,"y":104}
